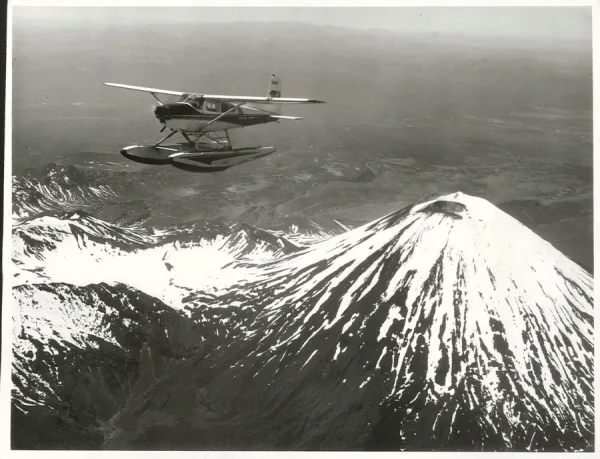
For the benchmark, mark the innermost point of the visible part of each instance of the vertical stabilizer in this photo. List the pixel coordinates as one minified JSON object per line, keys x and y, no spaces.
{"x":274,"y":91}
{"x":274,"y":87}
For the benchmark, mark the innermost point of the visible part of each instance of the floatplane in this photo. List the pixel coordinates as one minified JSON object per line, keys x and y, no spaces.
{"x":204,"y":122}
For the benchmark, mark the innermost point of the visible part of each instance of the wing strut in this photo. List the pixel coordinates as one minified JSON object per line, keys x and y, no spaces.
{"x":235,"y":107}
{"x":168,"y":136}
{"x":157,"y":99}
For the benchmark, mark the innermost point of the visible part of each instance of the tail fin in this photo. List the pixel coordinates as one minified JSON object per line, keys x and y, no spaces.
{"x":274,"y":91}
{"x":274,"y":87}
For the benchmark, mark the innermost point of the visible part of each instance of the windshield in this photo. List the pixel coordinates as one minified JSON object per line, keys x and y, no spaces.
{"x":194,"y":102}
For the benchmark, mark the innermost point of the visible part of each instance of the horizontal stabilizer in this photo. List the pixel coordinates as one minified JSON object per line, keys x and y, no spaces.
{"x":283,"y":117}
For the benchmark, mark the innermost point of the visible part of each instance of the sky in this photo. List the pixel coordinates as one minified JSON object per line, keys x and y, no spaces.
{"x":568,"y":23}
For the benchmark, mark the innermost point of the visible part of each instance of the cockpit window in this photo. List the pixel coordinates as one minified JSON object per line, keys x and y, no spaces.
{"x":211,"y":107}
{"x":208,"y":106}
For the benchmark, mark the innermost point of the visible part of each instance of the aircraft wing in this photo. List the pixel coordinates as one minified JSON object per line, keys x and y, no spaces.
{"x":143,"y":89}
{"x":260,"y":100}
{"x":221,"y":98}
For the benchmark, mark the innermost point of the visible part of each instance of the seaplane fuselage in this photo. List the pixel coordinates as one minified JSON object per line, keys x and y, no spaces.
{"x":201,"y":116}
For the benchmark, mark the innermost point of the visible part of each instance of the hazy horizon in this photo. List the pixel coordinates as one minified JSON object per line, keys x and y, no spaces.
{"x":538,"y":23}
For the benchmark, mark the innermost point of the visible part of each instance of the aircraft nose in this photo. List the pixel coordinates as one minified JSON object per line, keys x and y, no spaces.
{"x":161,"y":112}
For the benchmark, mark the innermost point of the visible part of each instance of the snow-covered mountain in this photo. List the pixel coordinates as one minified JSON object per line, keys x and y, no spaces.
{"x":78,"y":249}
{"x":57,"y":188}
{"x":99,"y":189}
{"x":445,"y":325}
